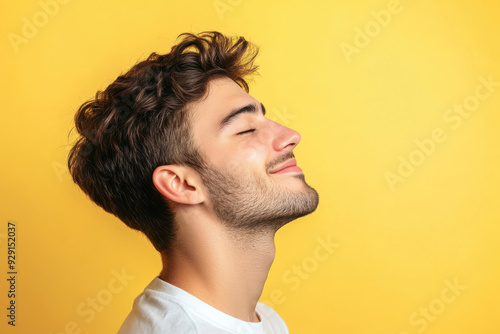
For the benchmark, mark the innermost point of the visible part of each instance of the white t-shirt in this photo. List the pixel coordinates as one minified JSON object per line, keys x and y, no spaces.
{"x":165,"y":308}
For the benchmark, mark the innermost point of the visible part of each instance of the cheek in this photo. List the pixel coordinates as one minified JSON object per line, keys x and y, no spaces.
{"x":251,"y":159}
{"x":257,"y":149}
{"x":248,"y":154}
{"x":254,"y":155}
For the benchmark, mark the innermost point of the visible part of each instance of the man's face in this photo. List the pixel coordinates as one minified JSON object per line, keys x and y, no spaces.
{"x":250,"y":172}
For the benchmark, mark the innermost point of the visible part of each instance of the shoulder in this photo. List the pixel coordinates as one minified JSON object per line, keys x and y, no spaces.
{"x":271,"y":319}
{"x":154,"y":311}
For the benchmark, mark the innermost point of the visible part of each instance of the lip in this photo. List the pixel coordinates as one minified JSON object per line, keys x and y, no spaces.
{"x":289,"y":166}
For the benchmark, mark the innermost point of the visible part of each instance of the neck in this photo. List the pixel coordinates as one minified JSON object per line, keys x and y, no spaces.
{"x":225,"y":269}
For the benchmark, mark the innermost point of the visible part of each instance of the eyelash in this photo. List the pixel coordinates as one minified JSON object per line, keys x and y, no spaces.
{"x":247,"y":131}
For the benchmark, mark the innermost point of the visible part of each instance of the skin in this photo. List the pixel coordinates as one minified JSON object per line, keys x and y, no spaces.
{"x":225,"y":263}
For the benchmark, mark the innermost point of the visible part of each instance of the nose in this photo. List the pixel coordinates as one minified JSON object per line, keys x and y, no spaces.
{"x":285,"y":139}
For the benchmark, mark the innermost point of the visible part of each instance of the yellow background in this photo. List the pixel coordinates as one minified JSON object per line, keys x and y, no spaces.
{"x":396,"y":247}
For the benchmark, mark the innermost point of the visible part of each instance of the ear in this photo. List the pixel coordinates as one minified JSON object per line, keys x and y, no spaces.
{"x":179,"y":184}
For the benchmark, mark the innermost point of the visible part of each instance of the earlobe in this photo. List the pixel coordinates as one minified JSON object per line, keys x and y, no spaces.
{"x":177,"y":184}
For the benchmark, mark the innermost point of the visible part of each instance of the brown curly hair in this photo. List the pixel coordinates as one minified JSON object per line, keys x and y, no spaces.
{"x":140,"y":122}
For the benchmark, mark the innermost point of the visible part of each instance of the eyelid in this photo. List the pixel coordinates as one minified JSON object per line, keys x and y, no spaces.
{"x":246,"y":131}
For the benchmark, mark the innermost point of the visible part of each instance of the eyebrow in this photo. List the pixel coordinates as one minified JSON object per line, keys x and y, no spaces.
{"x":249,"y":108}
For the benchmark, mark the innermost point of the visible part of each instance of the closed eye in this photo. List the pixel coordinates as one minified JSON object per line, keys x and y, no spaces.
{"x":247,"y":131}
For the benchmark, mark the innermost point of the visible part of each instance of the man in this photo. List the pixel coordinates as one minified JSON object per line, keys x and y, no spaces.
{"x":178,"y":149}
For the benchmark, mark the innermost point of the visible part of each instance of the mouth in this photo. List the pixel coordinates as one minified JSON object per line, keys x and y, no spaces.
{"x":289,"y":167}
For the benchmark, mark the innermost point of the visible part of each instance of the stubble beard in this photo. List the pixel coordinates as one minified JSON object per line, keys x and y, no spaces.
{"x":249,"y":204}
